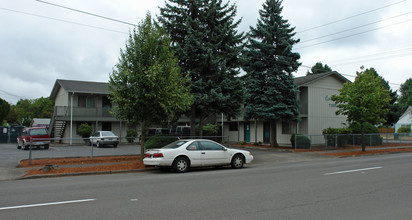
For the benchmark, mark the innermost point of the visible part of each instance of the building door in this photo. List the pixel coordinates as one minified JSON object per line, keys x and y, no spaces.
{"x":247,"y":132}
{"x":266,"y":132}
{"x":106,"y":126}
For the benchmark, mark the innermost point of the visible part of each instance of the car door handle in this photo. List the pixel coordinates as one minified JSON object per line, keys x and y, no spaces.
{"x":203,"y":153}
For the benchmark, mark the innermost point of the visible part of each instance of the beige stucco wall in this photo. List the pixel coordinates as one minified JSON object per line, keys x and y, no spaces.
{"x":62,"y":98}
{"x":321,"y":109}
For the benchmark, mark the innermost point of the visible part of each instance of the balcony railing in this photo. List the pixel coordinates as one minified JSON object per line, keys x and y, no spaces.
{"x":64,"y":111}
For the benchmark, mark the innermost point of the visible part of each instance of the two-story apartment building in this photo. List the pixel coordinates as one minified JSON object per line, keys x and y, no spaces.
{"x":317,"y":112}
{"x":78,"y":102}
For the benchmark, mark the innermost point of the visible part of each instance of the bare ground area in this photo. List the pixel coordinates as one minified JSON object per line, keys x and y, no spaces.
{"x":82,"y":165}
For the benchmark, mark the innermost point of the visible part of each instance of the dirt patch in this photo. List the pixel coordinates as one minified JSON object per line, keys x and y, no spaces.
{"x":82,"y":165}
{"x":368,"y":152}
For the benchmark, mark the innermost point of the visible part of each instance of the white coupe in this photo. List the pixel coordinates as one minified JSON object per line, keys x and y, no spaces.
{"x":183,"y":154}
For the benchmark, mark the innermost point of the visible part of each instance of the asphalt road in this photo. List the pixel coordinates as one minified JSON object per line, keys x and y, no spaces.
{"x":371,"y":187}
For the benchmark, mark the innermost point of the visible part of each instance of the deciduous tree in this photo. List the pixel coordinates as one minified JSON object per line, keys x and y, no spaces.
{"x":363,"y":101}
{"x":146,"y":84}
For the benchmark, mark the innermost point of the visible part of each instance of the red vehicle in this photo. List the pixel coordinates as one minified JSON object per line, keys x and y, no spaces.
{"x":39,"y":137}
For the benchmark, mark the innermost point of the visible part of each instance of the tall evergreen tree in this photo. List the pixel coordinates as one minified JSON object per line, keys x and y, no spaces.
{"x":205,"y":39}
{"x":391,"y":116}
{"x":4,"y":110}
{"x":269,"y":63}
{"x":319,"y":68}
{"x":405,"y":98}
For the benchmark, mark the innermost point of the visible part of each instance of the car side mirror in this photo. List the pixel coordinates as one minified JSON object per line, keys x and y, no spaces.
{"x":224,"y":149}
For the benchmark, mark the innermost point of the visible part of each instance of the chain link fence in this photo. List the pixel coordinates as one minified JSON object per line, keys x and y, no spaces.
{"x":334,"y":141}
{"x":82,"y":147}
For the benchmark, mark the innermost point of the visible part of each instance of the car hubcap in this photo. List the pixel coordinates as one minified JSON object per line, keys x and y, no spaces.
{"x":181,"y":165}
{"x":238,"y":162}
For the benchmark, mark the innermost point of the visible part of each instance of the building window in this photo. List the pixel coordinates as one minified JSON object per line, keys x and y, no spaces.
{"x":233,"y":126}
{"x":81,"y":101}
{"x":86,"y":101}
{"x":106,"y":102}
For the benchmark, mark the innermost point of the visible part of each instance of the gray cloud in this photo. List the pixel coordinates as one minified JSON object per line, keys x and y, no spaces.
{"x":36,"y":51}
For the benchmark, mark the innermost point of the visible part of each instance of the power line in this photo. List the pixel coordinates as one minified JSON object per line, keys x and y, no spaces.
{"x":352,"y":35}
{"x":354,"y":28}
{"x":12,"y":95}
{"x":350,"y":17}
{"x":370,"y":55}
{"x":360,"y":60}
{"x":61,"y":20}
{"x":88,"y":13}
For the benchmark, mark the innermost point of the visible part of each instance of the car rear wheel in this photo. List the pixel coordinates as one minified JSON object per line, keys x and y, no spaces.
{"x":181,"y":165}
{"x":237,"y":161}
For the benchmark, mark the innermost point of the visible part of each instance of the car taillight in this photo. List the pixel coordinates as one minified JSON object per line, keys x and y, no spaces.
{"x":158,"y":155}
{"x":146,"y":155}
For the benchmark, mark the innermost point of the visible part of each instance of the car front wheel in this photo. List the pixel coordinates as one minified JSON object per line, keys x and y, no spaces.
{"x":181,"y":165}
{"x":237,"y":161}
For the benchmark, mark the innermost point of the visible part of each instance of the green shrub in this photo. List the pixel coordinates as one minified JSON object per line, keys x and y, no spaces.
{"x":242,"y":142}
{"x":336,"y":136}
{"x":131,"y":135}
{"x":258,"y":143}
{"x":302,"y":142}
{"x":159,"y":141}
{"x":85,"y":130}
{"x":369,"y":140}
{"x":210,"y":129}
{"x":404,"y":130}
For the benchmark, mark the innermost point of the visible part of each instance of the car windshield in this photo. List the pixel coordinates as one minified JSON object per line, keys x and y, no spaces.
{"x":107,"y":133}
{"x":38,"y":131}
{"x":174,"y":145}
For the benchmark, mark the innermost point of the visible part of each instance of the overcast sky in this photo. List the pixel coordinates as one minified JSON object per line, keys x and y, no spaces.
{"x":40,"y":43}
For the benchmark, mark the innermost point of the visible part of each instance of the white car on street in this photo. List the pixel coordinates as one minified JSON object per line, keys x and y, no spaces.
{"x":183,"y":154}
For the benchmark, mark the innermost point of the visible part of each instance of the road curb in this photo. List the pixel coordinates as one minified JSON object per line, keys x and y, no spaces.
{"x":83,"y":174}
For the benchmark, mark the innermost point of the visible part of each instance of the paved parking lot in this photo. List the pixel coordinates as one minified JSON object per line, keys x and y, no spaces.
{"x":10,"y":155}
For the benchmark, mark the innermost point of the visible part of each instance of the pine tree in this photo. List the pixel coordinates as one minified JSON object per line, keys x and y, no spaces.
{"x":208,"y":46}
{"x":269,"y":63}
